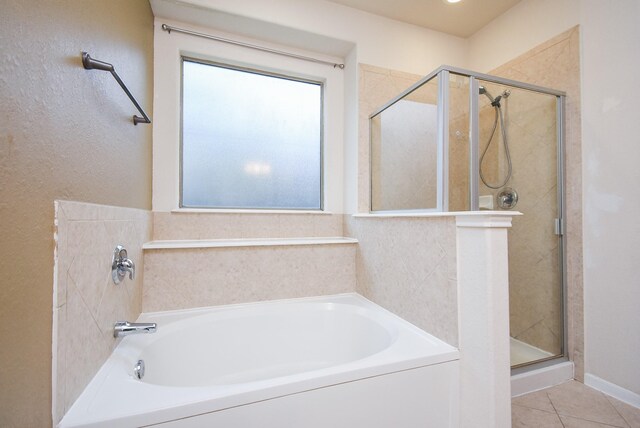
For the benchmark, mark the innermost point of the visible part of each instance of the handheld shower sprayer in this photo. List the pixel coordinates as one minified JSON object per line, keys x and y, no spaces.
{"x":495,"y":103}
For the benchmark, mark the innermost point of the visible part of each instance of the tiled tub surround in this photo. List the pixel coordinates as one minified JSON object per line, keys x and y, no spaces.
{"x":86,"y":301}
{"x":408,"y":265}
{"x":239,"y":273}
{"x":197,"y":224}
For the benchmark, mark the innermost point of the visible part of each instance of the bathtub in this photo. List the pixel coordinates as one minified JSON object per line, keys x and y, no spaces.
{"x":338,"y":361}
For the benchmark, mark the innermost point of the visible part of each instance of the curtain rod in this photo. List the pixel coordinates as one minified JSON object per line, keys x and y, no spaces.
{"x":169,"y":29}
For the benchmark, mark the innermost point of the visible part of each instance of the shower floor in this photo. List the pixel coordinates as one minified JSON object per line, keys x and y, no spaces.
{"x":522,"y":353}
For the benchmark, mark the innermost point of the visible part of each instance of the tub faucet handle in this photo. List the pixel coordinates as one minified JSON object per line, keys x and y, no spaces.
{"x":121,"y":264}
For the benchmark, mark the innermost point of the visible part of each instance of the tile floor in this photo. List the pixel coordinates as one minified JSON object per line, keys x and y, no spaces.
{"x":572,"y":405}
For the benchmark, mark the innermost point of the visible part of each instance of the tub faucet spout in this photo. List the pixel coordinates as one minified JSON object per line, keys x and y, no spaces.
{"x":125,"y":328}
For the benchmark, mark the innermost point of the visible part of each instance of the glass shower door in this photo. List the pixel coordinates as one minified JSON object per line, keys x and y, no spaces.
{"x":518,"y":170}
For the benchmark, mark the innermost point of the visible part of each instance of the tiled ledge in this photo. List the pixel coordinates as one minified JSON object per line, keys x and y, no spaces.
{"x":261,"y":242}
{"x":427,"y":214}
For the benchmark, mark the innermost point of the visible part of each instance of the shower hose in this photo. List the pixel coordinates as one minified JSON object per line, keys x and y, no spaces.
{"x":507,"y":155}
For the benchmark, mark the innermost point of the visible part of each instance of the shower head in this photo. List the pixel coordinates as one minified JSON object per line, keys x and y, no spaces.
{"x":483,"y":91}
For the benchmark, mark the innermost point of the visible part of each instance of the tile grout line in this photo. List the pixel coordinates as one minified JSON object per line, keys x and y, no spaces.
{"x":616,"y":409}
{"x":556,"y":410}
{"x":588,"y":420}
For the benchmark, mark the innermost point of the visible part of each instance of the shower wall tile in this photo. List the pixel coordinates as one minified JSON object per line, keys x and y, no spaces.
{"x":376,"y":87}
{"x":408,"y":266}
{"x":188,"y":278}
{"x":186,"y":225}
{"x":556,"y":64}
{"x":85,"y":237}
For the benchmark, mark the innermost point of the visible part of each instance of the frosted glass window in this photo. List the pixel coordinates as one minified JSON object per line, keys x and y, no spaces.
{"x":249,"y":140}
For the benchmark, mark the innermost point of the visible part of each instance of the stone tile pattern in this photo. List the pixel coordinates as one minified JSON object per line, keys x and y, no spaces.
{"x":572,"y":405}
{"x":189,"y":278}
{"x":180,"y":279}
{"x":554,"y":64}
{"x":86,"y":301}
{"x":408,"y":266}
{"x":219,"y":225}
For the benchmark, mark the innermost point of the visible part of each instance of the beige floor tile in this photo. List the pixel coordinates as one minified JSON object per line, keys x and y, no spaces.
{"x":576,"y":400}
{"x":535,"y":400}
{"x":570,"y":422}
{"x":630,"y":414}
{"x":525,"y":417}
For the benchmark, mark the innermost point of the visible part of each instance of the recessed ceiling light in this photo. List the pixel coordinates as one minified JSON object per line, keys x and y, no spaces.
{"x":451,"y":1}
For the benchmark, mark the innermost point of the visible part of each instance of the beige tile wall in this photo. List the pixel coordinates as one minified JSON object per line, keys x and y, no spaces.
{"x":86,"y":301}
{"x":556,"y":64}
{"x":408,"y":266}
{"x":188,"y":278}
{"x":189,"y":225}
{"x":376,"y":87}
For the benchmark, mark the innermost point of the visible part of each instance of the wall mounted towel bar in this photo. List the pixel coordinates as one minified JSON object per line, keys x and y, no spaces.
{"x":93,"y":64}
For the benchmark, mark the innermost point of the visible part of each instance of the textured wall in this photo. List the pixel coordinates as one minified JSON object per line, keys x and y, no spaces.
{"x":65,"y":133}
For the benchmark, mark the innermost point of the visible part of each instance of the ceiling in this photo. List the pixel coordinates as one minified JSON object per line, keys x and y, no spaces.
{"x":459,"y":19}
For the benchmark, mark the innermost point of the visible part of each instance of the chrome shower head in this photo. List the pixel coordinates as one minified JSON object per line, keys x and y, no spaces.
{"x":483,"y":91}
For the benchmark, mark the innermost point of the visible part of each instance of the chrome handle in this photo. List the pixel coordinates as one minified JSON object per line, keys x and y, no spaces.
{"x":120,"y":265}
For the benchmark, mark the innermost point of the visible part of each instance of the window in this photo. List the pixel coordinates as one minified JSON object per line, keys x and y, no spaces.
{"x":249,"y":139}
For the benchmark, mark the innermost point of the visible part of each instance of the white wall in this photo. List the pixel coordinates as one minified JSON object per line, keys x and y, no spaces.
{"x":524,"y":26}
{"x":381,"y":41}
{"x":611,"y":165}
{"x":610,"y":36}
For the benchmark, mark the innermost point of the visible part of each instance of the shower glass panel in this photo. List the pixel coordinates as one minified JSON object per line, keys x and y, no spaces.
{"x":459,"y":141}
{"x":405,"y":152}
{"x":521,"y":156}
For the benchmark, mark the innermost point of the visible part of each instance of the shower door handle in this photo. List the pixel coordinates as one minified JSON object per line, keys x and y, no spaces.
{"x":559,"y":227}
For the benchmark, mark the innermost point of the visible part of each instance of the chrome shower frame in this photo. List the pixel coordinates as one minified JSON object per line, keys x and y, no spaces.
{"x":442,"y":73}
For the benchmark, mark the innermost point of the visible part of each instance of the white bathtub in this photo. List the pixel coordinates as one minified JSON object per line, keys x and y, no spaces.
{"x":338,"y":361}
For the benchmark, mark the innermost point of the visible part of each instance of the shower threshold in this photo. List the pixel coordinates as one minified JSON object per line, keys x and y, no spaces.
{"x":523,"y":353}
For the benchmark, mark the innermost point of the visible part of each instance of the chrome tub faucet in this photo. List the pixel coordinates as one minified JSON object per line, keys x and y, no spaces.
{"x":125,"y":328}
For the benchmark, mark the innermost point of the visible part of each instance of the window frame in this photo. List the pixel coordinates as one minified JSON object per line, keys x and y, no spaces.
{"x":340,"y":121}
{"x":262,"y":72}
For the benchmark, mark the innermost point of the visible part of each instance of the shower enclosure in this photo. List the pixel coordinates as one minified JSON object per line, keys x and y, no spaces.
{"x":464,"y":141}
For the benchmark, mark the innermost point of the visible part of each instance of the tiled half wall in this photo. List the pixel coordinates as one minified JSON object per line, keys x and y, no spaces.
{"x":408,"y":266}
{"x":86,"y":301}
